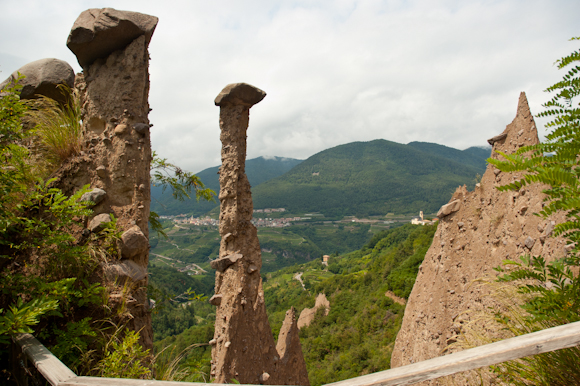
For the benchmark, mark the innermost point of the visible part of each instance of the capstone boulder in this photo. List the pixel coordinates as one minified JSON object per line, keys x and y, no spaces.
{"x":97,"y":33}
{"x":43,"y":78}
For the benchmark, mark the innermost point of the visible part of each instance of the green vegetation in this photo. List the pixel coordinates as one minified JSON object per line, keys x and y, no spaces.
{"x":358,"y":334}
{"x":372,"y":178}
{"x":552,"y":291}
{"x":168,"y":175}
{"x":354,"y":339}
{"x":57,"y":128}
{"x":50,"y":281}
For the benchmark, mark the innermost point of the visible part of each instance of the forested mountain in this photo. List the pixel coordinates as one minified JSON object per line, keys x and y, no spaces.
{"x":373,"y":178}
{"x":258,"y":170}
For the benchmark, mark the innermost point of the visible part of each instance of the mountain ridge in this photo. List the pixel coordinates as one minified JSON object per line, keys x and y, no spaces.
{"x":357,"y":178}
{"x":372,"y":178}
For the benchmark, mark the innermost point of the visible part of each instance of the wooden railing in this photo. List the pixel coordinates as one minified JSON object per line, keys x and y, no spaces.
{"x":556,"y":338}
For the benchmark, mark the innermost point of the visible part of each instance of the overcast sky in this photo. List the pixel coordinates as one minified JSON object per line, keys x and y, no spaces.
{"x":443,"y":71}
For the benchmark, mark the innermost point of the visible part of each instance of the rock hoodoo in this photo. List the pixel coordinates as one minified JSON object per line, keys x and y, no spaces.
{"x":243,"y":346}
{"x":477,"y":231}
{"x":116,"y":156}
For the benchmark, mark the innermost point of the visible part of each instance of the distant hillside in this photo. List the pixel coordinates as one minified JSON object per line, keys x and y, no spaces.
{"x":473,"y":156}
{"x":373,"y":178}
{"x":258,"y":170}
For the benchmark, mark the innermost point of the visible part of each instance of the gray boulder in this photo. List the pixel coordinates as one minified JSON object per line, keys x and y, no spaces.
{"x":223,"y":263}
{"x":447,"y":209}
{"x":98,"y":222}
{"x":42,"y":77}
{"x":99,"y":32}
{"x":96,"y":195}
{"x":135,"y":243}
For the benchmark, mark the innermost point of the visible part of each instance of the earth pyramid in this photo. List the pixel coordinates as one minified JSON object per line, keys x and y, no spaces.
{"x":476,"y":232}
{"x":243,"y":347}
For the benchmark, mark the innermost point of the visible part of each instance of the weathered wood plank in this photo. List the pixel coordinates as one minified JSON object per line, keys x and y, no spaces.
{"x":531,"y":344}
{"x":97,"y":381}
{"x":518,"y":347}
{"x":52,"y":369}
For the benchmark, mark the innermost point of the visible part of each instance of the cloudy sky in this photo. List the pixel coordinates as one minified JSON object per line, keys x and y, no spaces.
{"x":443,"y":71}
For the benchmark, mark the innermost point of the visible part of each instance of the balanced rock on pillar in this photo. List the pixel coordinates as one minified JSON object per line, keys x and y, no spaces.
{"x":113,"y":93}
{"x":243,"y":347}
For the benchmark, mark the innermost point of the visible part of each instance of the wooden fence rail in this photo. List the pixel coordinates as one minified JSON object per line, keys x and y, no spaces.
{"x":556,"y":338}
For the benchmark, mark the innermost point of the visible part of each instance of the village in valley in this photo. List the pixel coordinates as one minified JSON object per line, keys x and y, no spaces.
{"x":280,"y":222}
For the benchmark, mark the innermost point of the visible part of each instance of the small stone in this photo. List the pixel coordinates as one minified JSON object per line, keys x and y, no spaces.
{"x":449,"y":208}
{"x":550,"y":228}
{"x":264,"y":377}
{"x":523,"y":209}
{"x":96,"y":196}
{"x":228,"y":344}
{"x":252,"y":268}
{"x":120,"y":129}
{"x":497,"y":138}
{"x":101,"y":171}
{"x":213,"y":342}
{"x":141,"y":128}
{"x":460,"y":225}
{"x":98,"y":222}
{"x":529,"y":242}
{"x":223,"y":263}
{"x":496,"y":171}
{"x":452,"y":292}
{"x":215,"y":300}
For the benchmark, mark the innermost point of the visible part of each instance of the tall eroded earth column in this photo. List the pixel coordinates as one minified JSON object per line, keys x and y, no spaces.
{"x":243,"y":345}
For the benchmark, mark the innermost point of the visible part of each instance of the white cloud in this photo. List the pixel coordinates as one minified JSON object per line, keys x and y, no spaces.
{"x":335,"y":72}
